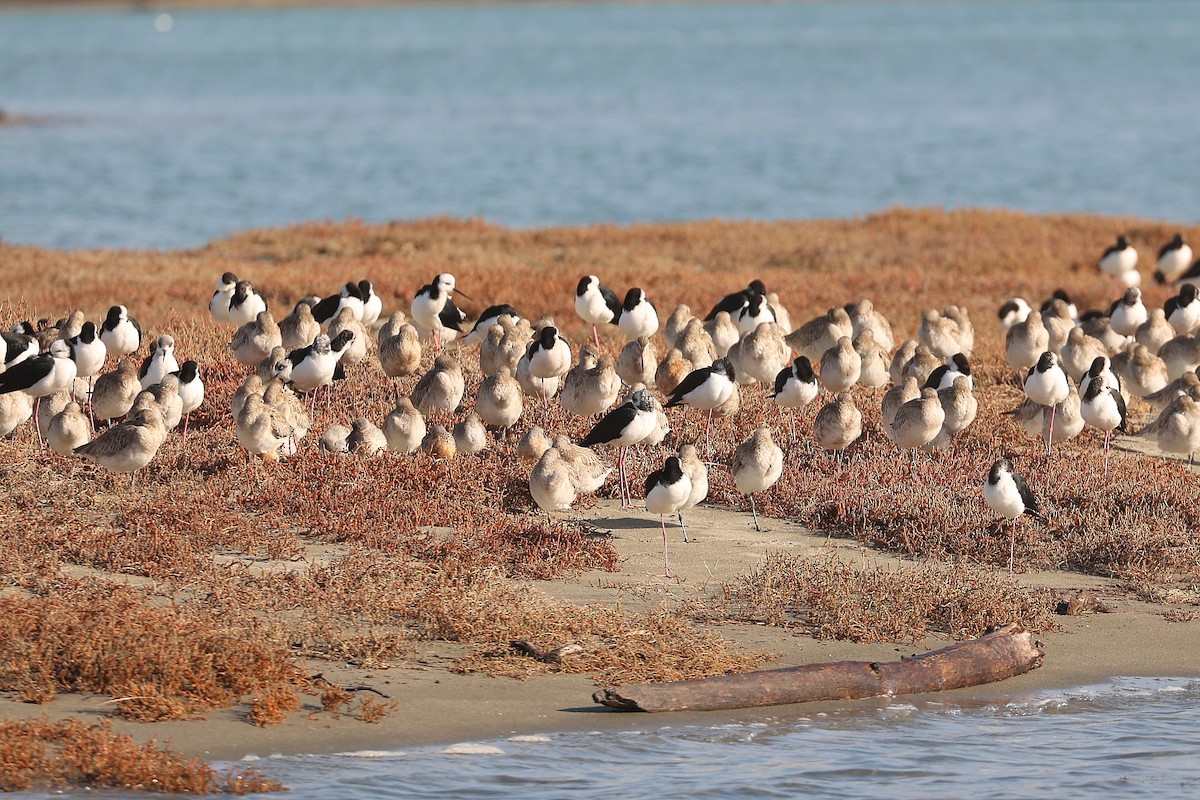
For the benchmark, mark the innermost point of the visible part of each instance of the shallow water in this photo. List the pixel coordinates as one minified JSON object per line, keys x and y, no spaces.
{"x":1134,"y":737}
{"x":537,"y":115}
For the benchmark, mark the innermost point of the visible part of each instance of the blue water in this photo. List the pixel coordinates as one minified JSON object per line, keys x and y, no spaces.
{"x":1131,"y":738}
{"x":536,"y":115}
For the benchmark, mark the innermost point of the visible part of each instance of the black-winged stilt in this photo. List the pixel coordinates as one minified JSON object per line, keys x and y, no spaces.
{"x":667,"y":491}
{"x":1007,"y":494}
{"x":596,"y":304}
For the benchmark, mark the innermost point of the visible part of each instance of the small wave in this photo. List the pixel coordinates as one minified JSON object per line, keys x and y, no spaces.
{"x":372,"y":754}
{"x":473,"y":749}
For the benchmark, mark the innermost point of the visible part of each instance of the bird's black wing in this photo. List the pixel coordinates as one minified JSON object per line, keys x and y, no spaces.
{"x":26,"y":374}
{"x":1031,"y":503}
{"x":781,"y":379}
{"x":730,"y":304}
{"x":690,"y":383}
{"x":652,"y":480}
{"x":611,"y":426}
{"x":613,"y":302}
{"x":451,"y":317}
{"x":324,"y":310}
{"x":493,"y":313}
{"x":935,"y":378}
{"x":1120,"y":407}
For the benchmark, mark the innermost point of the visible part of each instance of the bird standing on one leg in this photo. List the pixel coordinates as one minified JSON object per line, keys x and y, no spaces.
{"x":707,"y":389}
{"x":1047,"y":385}
{"x":596,"y":304}
{"x":1104,"y":409}
{"x":667,"y":491}
{"x":757,"y":465}
{"x":1009,"y":495}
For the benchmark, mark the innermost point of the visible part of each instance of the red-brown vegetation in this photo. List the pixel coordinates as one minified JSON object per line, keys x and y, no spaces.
{"x":242,"y":574}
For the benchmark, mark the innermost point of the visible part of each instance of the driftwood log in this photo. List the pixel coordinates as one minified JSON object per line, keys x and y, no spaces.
{"x":999,"y":654}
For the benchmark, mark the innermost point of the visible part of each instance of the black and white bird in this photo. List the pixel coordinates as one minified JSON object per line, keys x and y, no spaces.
{"x":943,"y":377}
{"x":1190,"y":275}
{"x":629,"y":423}
{"x":1048,"y":385}
{"x":1101,"y":370}
{"x":596,"y":304}
{"x":754,"y":313}
{"x":1007,"y":494}
{"x":160,"y":362}
{"x":1127,"y":314}
{"x":667,"y":491}
{"x":639,"y":317}
{"x":314,"y":366}
{"x":1120,"y":261}
{"x":218,"y":306}
{"x":731,"y":304}
{"x":434,"y":311}
{"x":1183,"y":310}
{"x":40,"y":376}
{"x":1173,"y":260}
{"x":372,"y":303}
{"x":191,"y":390}
{"x":1014,"y":310}
{"x":707,"y":389}
{"x":246,"y":303}
{"x":795,"y":387}
{"x":1103,"y":408}
{"x":18,"y":347}
{"x":88,"y":352}
{"x":120,"y":332}
{"x":549,"y":356}
{"x":348,"y":296}
{"x":491,"y":316}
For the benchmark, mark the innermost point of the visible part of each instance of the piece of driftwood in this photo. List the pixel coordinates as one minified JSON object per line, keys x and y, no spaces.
{"x":1002,"y":653}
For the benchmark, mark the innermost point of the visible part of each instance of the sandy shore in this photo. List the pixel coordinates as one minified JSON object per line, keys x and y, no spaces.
{"x":436,"y":706}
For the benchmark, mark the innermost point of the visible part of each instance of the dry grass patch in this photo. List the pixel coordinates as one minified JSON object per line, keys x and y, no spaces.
{"x":60,"y":755}
{"x":158,"y":663}
{"x":830,"y":599}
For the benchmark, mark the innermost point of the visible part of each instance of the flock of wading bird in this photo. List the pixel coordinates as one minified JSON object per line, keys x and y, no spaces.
{"x":1078,"y":371}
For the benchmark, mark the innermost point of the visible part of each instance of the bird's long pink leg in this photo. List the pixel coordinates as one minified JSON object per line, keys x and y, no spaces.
{"x":1012,"y":548}
{"x":1107,"y":435}
{"x":666,"y":564}
{"x":596,"y":336}
{"x":1050,"y":435}
{"x":621,"y":478}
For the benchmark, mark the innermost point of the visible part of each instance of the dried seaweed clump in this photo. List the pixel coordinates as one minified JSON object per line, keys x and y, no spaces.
{"x":159,"y":663}
{"x":609,"y":643}
{"x":56,"y":755}
{"x":831,"y":599}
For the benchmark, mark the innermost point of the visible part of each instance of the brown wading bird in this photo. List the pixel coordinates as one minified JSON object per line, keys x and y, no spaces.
{"x":127,"y":446}
{"x":838,"y":424}
{"x":757,"y":465}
